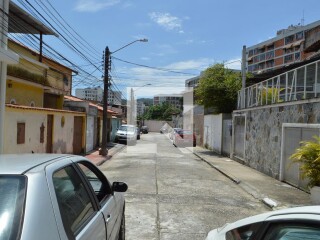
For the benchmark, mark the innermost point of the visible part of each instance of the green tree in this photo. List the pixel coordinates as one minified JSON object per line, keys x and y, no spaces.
{"x":218,"y":89}
{"x":163,"y":111}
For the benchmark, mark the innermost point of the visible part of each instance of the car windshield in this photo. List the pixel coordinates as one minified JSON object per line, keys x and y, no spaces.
{"x":127,"y":128}
{"x":12,"y":197}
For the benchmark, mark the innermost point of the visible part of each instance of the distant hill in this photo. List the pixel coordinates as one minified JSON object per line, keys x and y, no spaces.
{"x":146,"y":101}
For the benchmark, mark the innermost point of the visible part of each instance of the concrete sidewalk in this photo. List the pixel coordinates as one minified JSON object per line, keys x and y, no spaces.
{"x":275,"y":194}
{"x":97,"y":159}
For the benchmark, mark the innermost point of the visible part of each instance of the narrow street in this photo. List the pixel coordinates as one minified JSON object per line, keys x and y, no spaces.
{"x":173,"y":194}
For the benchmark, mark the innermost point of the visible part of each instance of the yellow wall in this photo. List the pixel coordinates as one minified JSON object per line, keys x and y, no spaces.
{"x":58,"y":76}
{"x":24,"y":94}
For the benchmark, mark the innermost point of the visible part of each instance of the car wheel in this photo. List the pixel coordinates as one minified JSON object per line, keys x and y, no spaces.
{"x":138,"y":137}
{"x":122,"y":230}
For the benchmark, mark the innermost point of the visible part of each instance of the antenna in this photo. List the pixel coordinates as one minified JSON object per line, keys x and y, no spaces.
{"x":302,"y":20}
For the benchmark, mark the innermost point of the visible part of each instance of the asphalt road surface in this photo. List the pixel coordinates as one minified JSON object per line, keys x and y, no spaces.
{"x":173,"y":194}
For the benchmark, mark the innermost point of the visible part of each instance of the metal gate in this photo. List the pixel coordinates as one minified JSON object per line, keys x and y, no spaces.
{"x":293,"y":134}
{"x":239,"y":136}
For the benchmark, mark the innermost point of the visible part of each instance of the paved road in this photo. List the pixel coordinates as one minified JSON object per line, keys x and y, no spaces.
{"x":173,"y":194}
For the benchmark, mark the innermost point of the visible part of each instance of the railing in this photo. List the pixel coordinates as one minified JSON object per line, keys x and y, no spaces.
{"x":298,"y":84}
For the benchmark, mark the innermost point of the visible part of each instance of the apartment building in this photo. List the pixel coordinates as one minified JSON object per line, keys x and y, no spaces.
{"x":91,"y":94}
{"x":96,"y":94}
{"x":175,"y":100}
{"x":292,"y":45}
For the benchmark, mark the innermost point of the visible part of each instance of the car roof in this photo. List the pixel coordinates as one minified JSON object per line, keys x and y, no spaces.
{"x":283,"y":213}
{"x":21,"y":163}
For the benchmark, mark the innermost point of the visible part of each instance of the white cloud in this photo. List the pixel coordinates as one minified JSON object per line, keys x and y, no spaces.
{"x":94,"y":5}
{"x":196,"y":64}
{"x":167,"y":21}
{"x":160,"y":80}
{"x":233,"y":63}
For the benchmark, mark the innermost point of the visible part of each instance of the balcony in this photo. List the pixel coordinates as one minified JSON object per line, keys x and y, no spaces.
{"x":312,"y":42}
{"x":298,"y":84}
{"x":18,"y":72}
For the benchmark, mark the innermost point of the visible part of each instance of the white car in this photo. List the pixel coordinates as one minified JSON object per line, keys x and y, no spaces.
{"x":299,"y":223}
{"x":127,"y":134}
{"x":58,"y":196}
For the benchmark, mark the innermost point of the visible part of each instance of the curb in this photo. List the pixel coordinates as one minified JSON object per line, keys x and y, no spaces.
{"x":272,"y":204}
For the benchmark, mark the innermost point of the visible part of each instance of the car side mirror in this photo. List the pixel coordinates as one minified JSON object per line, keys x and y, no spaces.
{"x":119,"y":187}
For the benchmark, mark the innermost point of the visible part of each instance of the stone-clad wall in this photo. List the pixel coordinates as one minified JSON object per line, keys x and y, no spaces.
{"x":264,"y":132}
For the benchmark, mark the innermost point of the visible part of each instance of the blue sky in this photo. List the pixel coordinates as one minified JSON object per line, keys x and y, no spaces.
{"x":184,"y":36}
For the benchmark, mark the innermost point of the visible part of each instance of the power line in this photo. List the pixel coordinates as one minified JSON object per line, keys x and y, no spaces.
{"x":154,"y":68}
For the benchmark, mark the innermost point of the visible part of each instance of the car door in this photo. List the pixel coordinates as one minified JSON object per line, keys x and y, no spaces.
{"x":109,"y":207}
{"x":77,"y":213}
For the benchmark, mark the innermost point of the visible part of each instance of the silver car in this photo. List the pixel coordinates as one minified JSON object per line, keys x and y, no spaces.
{"x":52,"y":196}
{"x":127,"y":134}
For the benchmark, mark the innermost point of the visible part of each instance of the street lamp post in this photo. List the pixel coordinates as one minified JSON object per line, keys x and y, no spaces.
{"x":132,"y":103}
{"x":104,"y":150}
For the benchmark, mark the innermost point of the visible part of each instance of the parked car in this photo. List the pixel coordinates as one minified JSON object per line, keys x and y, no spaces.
{"x":286,"y":224}
{"x":138,"y":133}
{"x":173,"y":132}
{"x":58,"y":196}
{"x":185,"y":138}
{"x":144,"y":129}
{"x":127,"y":134}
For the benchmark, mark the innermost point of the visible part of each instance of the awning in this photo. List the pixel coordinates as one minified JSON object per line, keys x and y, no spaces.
{"x":297,"y":43}
{"x":22,"y":22}
{"x":290,"y":45}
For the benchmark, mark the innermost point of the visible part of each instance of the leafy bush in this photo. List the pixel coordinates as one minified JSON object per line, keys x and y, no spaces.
{"x":308,"y":155}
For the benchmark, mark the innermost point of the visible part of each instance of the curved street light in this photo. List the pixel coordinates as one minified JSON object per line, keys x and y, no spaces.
{"x":107,"y":54}
{"x":132,"y":102}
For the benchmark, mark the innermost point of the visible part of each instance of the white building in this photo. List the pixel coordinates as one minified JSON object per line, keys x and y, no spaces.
{"x":175,"y":100}
{"x":114,"y":97}
{"x":91,"y":94}
{"x":96,"y":94}
{"x":140,"y":108}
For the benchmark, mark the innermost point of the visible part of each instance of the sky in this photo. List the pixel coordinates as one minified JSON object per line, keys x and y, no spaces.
{"x":184,"y":37}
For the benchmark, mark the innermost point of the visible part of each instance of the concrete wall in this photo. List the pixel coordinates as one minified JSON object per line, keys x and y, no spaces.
{"x":34,"y":119}
{"x":212,"y":131}
{"x":263,"y":132}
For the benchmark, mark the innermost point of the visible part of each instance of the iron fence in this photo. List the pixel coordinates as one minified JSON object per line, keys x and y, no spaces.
{"x":297,"y":84}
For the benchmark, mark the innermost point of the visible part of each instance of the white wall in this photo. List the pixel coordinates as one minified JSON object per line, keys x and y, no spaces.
{"x":212,"y":132}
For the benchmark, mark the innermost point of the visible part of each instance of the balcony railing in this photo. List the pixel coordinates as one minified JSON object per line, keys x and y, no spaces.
{"x":298,"y":84}
{"x":22,"y":73}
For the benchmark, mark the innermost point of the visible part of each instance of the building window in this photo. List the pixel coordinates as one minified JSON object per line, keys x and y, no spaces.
{"x":299,"y":35}
{"x":250,"y":53}
{"x":289,"y":39}
{"x":21,"y":133}
{"x":270,"y":64}
{"x":270,"y":47}
{"x":288,"y":58}
{"x":256,"y":59}
{"x":270,"y":55}
{"x":297,"y":56}
{"x":262,"y":57}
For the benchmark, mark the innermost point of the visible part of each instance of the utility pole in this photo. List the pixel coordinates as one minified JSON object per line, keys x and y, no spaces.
{"x":243,"y":71}
{"x":107,"y":54}
{"x":104,"y":150}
